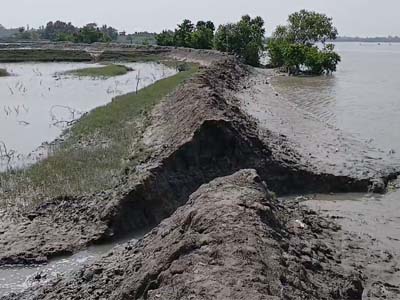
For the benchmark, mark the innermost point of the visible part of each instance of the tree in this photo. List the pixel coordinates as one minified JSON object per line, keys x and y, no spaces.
{"x":53,"y":31}
{"x":200,"y":36}
{"x":109,"y":32}
{"x":203,"y":36}
{"x":294,"y":46}
{"x":90,"y":33}
{"x":244,"y":39}
{"x":222,"y":37}
{"x":309,"y":27}
{"x":166,"y":38}
{"x":183,"y":34}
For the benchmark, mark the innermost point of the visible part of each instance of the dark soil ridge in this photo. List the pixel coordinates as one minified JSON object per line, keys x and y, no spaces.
{"x":197,"y":134}
{"x":66,"y":52}
{"x":44,"y":55}
{"x":231,"y":240}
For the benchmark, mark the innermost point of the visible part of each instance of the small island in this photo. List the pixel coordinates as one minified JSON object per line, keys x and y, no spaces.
{"x":107,"y":71}
{"x":4,"y":73}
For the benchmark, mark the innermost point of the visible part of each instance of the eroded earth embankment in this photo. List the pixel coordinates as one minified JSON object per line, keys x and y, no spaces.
{"x":231,"y":240}
{"x":202,"y":131}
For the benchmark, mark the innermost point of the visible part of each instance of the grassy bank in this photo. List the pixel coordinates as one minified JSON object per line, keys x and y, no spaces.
{"x":106,"y":71}
{"x":95,"y":151}
{"x":3,"y":73}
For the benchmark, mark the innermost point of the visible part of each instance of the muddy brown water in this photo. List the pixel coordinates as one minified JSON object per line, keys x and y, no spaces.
{"x":362,"y":98}
{"x":38,"y":102}
{"x":16,"y":279}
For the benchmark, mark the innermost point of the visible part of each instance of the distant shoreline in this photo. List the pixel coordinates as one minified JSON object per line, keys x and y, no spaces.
{"x":369,"y":40}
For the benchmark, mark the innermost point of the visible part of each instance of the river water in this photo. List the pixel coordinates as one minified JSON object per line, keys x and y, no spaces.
{"x":38,"y":102}
{"x":363,"y":98}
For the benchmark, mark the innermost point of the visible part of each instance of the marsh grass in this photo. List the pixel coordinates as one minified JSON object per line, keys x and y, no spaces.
{"x":106,"y":71}
{"x":95,"y":151}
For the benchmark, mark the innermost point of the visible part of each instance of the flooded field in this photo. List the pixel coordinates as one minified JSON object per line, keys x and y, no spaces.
{"x":37,"y":102}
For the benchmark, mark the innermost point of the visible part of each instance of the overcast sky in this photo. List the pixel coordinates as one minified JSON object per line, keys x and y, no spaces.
{"x":352,"y":17}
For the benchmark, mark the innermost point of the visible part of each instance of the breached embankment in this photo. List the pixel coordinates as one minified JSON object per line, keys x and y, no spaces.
{"x":200,"y":132}
{"x":231,"y":240}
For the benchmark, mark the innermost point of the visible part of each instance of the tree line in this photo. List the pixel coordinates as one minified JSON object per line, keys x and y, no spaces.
{"x":244,"y":38}
{"x":60,"y":31}
{"x":298,"y":47}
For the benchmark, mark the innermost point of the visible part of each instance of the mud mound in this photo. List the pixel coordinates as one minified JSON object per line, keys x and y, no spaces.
{"x":231,"y":240}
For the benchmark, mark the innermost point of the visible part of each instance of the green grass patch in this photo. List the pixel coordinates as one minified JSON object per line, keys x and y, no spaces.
{"x":96,"y":150}
{"x":110,"y":70}
{"x":3,"y":73}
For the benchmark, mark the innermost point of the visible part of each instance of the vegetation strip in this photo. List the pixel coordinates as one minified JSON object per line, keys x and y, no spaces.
{"x":3,"y":73}
{"x":106,"y":71}
{"x":95,"y":150}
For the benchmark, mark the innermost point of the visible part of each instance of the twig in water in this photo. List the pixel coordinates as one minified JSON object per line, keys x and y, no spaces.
{"x":137,"y":81}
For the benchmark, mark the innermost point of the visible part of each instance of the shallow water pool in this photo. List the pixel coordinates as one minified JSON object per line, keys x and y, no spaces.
{"x":38,"y":102}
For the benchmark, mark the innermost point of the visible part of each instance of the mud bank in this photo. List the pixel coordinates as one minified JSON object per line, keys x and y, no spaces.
{"x":232,"y":240}
{"x":321,"y":147}
{"x":198,"y":133}
{"x":369,"y":238}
